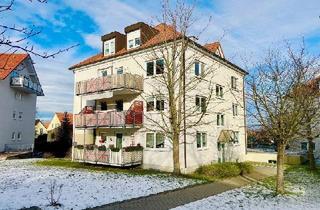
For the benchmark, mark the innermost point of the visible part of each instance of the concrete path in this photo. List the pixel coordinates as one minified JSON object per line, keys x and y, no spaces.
{"x":178,"y":197}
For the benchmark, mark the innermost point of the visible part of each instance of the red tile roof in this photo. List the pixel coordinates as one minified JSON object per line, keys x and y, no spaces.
{"x":212,"y":46}
{"x":165,"y":33}
{"x":9,"y":62}
{"x":61,"y":116}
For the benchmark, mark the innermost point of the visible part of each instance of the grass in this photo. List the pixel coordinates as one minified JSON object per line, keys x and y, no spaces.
{"x":67,"y":163}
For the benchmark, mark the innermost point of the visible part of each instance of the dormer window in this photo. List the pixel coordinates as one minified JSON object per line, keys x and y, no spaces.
{"x":134,"y":39}
{"x":109,"y":47}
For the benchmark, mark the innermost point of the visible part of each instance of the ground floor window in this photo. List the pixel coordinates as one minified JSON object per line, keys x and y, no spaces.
{"x":154,"y":140}
{"x":235,"y":137}
{"x":201,"y":140}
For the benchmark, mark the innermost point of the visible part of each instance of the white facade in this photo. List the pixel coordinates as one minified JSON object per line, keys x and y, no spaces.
{"x":161,"y":158}
{"x":17,"y":111}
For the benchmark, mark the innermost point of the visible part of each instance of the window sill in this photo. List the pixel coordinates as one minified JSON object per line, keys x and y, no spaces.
{"x":202,"y":149}
{"x":157,"y":149}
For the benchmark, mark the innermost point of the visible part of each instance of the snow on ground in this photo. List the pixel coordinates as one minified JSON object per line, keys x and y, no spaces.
{"x":23,"y":184}
{"x":305,"y":188}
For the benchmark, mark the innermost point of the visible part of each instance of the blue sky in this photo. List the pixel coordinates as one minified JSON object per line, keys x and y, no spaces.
{"x":246,"y":29}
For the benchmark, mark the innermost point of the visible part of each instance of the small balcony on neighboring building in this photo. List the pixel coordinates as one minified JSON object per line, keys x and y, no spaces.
{"x":120,"y":83}
{"x":26,"y":85}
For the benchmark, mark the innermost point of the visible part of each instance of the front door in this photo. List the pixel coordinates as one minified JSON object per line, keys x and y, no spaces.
{"x":221,"y":152}
{"x":119,"y":140}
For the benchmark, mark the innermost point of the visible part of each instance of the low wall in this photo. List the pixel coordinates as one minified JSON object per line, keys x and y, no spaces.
{"x":264,"y":157}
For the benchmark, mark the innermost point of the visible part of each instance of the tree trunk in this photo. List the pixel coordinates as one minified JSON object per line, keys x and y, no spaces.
{"x":280,"y":168}
{"x":176,"y":155}
{"x":312,"y":162}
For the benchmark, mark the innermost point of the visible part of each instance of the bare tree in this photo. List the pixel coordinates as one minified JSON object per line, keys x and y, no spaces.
{"x":276,"y":99}
{"x":21,"y":44}
{"x":175,"y":83}
{"x":54,"y":193}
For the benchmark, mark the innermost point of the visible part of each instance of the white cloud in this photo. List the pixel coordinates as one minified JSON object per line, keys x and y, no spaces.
{"x":92,"y":40}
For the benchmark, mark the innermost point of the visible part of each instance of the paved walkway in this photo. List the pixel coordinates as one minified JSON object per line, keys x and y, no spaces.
{"x":174,"y":198}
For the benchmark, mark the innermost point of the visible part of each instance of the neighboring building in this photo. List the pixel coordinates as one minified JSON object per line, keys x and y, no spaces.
{"x":112,"y":102}
{"x":19,"y":87}
{"x":55,"y":124}
{"x":40,"y":128}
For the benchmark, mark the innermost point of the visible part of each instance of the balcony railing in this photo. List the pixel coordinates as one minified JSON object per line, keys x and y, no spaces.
{"x":26,"y":85}
{"x":121,"y":158}
{"x":109,"y":119}
{"x":119,"y":81}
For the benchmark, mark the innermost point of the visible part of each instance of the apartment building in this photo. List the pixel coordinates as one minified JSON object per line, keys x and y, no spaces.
{"x":19,"y":86}
{"x":118,"y":100}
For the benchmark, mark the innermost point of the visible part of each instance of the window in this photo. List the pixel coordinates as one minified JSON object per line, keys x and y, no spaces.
{"x":219,"y":91}
{"x":120,"y":70}
{"x":201,"y":103}
{"x":13,"y":136}
{"x":104,"y":73}
{"x":150,"y":104}
{"x":41,"y":131}
{"x":198,"y":68}
{"x":150,"y":140}
{"x":220,"y":119}
{"x":155,"y":104}
{"x":119,"y":105}
{"x":131,"y":43}
{"x":14,"y":115}
{"x":235,"y":109}
{"x":159,"y":140}
{"x":155,"y":67}
{"x":234,"y":83}
{"x":304,"y":145}
{"x":19,"y":136}
{"x":150,"y":66}
{"x":155,"y":140}
{"x":159,"y":66}
{"x":235,"y":137}
{"x":104,"y":105}
{"x":112,"y":47}
{"x":201,"y":140}
{"x":20,"y":115}
{"x":137,"y":41}
{"x":106,"y":48}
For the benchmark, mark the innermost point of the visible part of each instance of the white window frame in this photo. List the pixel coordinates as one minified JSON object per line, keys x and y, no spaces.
{"x":200,"y":106}
{"x":18,"y":96}
{"x":201,"y":68}
{"x":13,"y":136}
{"x":203,"y":138}
{"x":154,"y":73}
{"x":120,"y":69}
{"x":19,"y":136}
{"x":220,"y":92}
{"x":154,"y":134}
{"x":129,"y":44}
{"x":234,"y":83}
{"x":14,"y":115}
{"x":236,"y":135}
{"x":220,"y":119}
{"x":235,"y":110}
{"x":20,"y":116}
{"x":135,"y":41}
{"x":155,"y":99}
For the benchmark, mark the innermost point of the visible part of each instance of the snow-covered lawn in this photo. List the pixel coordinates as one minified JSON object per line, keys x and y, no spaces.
{"x":304,"y":185}
{"x":23,"y":184}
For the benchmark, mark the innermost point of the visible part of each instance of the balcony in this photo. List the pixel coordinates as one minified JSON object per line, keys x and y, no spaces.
{"x":126,"y":82}
{"x":24,"y":84}
{"x":121,"y":158}
{"x":109,"y":119}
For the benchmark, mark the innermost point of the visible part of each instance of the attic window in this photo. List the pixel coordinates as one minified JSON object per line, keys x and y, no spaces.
{"x":109,"y":47}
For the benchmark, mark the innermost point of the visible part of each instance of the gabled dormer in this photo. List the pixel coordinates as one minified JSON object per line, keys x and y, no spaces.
{"x":113,"y":43}
{"x":138,"y":34}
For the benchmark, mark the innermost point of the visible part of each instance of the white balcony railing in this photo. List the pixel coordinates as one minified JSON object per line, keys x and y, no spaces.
{"x":26,"y":85}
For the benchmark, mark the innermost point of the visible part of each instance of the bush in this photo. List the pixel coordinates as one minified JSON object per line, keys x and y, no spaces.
{"x":223,"y":170}
{"x":245,"y":167}
{"x":90,"y":147}
{"x":115,"y":149}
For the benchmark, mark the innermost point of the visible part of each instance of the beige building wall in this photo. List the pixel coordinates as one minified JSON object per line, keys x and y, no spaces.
{"x":161,"y":158}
